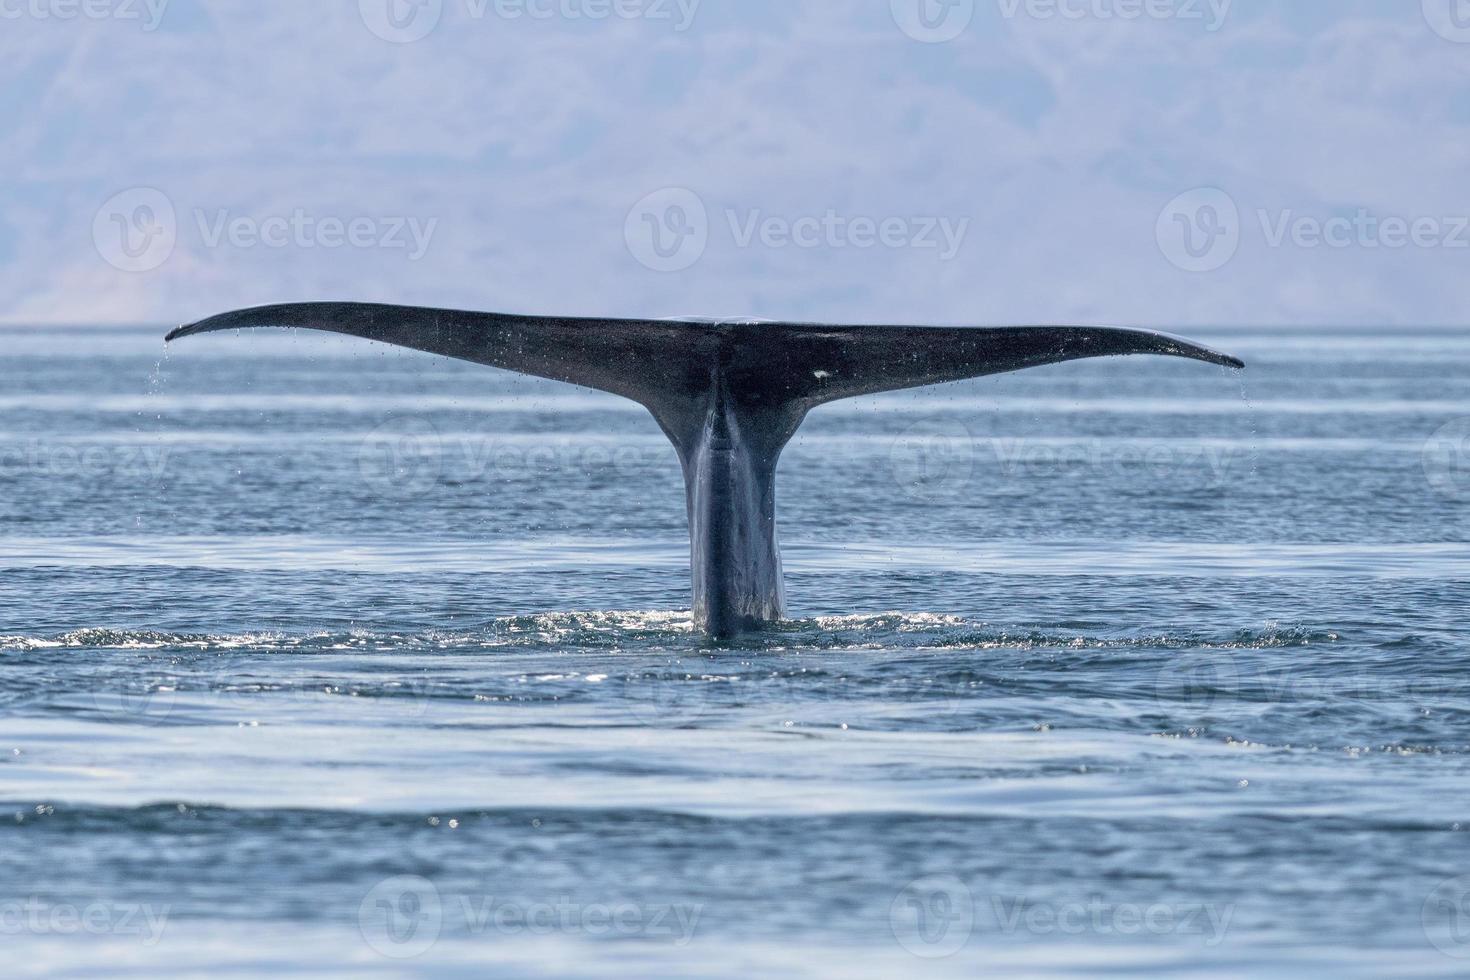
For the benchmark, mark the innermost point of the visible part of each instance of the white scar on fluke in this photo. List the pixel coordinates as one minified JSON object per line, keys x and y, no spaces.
{"x":729,"y":395}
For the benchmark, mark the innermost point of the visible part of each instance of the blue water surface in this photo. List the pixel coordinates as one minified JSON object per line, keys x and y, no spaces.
{"x":322,"y":658}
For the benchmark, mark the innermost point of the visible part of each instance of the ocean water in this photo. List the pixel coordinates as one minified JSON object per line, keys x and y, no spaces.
{"x":322,"y":658}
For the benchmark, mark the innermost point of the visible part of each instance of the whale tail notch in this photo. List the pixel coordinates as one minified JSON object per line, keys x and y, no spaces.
{"x":729,"y":394}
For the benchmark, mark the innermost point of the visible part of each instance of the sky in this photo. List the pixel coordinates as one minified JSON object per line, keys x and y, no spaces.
{"x":1162,"y":163}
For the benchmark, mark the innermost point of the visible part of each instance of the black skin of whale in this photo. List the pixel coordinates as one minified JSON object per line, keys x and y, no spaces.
{"x":728,"y":394}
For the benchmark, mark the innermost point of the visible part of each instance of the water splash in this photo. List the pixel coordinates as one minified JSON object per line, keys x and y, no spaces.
{"x":656,"y":631}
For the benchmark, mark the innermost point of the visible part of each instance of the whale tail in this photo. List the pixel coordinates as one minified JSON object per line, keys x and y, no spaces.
{"x":729,"y":395}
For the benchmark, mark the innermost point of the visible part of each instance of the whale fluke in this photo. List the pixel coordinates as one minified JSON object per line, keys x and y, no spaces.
{"x":729,"y":395}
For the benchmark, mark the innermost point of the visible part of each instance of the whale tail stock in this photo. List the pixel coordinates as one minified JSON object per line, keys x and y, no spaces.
{"x":729,"y":395}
